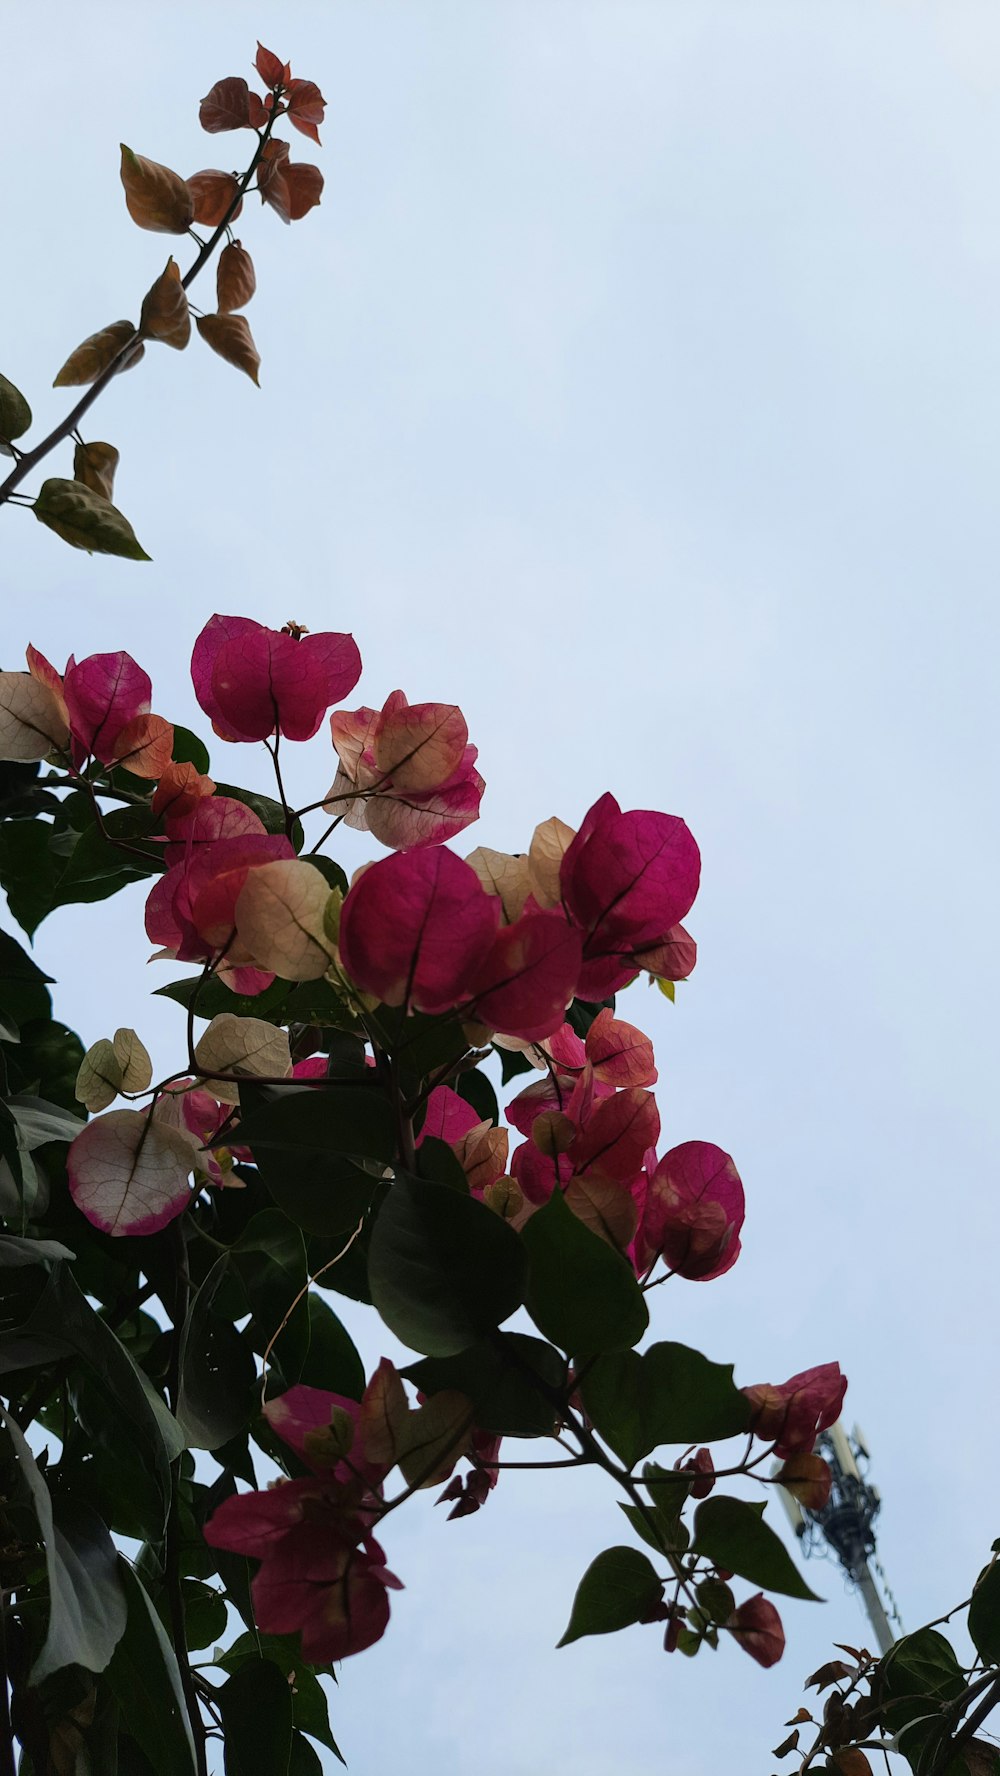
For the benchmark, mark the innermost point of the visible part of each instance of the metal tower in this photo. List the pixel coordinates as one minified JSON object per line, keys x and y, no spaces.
{"x":844,"y":1527}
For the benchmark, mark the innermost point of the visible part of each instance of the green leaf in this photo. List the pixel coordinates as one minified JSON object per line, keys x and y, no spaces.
{"x":16,"y":1252}
{"x":581,"y":1294}
{"x":310,"y":1710}
{"x":322,"y":1152}
{"x":984,"y":1615}
{"x":144,"y":1676}
{"x":270,"y":1260}
{"x":304,"y":1759}
{"x":48,"y":1061}
{"x":15,"y":414}
{"x":498,"y":1378}
{"x":40,"y":1122}
{"x":205,"y":1614}
{"x":22,"y":984}
{"x":42,"y":868}
{"x":658,"y":1526}
{"x":86,"y":520}
{"x":217,"y":1371}
{"x":188,"y":749}
{"x":731,"y":1532}
{"x":618,"y":1588}
{"x":439,"y":1164}
{"x":443,"y":1269}
{"x":670,"y":1394}
{"x":476,"y":1089}
{"x":256,"y":1707}
{"x":86,"y":1603}
{"x":63,"y":1323}
{"x":332,"y":1362}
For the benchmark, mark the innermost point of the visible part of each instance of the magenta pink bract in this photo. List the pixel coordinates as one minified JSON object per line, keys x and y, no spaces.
{"x":416,"y":928}
{"x":254,"y":681}
{"x":792,"y":1413}
{"x":529,"y":976}
{"x":626,"y":880}
{"x":693,"y":1213}
{"x":103,"y":694}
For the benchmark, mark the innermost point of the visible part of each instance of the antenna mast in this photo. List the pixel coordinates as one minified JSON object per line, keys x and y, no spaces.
{"x":845,"y":1527}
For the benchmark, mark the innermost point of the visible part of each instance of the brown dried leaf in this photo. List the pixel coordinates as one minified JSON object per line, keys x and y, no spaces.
{"x":165,"y":314}
{"x":851,"y":1762}
{"x":831,"y":1672}
{"x":230,"y":336}
{"x":213,"y":192}
{"x":156,"y":197}
{"x":235,"y":279}
{"x":800,"y":1715}
{"x":95,"y":464}
{"x":786,"y":1745}
{"x":92,"y":358}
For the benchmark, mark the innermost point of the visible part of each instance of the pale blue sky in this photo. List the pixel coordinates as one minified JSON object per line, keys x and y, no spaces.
{"x":636,"y":386}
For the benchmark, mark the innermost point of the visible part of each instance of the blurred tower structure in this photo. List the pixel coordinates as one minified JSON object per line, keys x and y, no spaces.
{"x":844,"y":1529}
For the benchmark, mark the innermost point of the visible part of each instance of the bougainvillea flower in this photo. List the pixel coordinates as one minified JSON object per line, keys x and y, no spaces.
{"x":792,"y":1413}
{"x":129,"y":1173}
{"x":756,"y":1625}
{"x":617,"y":1135}
{"x":692,"y":1213}
{"x":626,"y":879}
{"x":448,"y":1117}
{"x":254,"y":682}
{"x":191,"y":911}
{"x":180,"y":789}
{"x":302,"y":1416}
{"x":619,"y":1053}
{"x":210,"y":818}
{"x":529,"y":976}
{"x":103,"y":693}
{"x":416,"y":928}
{"x":333,"y":1595}
{"x":406,"y":772}
{"x":673,"y":959}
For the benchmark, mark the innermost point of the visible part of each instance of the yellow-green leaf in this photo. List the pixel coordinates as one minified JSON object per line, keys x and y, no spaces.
{"x":86,"y":520}
{"x":15,"y":415}
{"x":95,"y":464}
{"x":100,"y":1077}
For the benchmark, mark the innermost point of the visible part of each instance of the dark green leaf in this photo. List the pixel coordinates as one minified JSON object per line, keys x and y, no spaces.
{"x":731,"y":1532}
{"x":16,"y":1252}
{"x":22,"y":983}
{"x":332,"y":1361}
{"x":63,"y":1323}
{"x":205,"y":1614}
{"x":304,"y":1759}
{"x":476,"y":1089}
{"x":189,"y":750}
{"x":670,"y":1394}
{"x":270,"y":1260}
{"x":310,"y":1712}
{"x":48,"y":1062}
{"x":343,"y":1119}
{"x":256,"y":1706}
{"x":581,"y":1294}
{"x":512,"y":1062}
{"x":658,"y":1526}
{"x":984,"y":1615}
{"x":498,"y":1378}
{"x":86,"y":1603}
{"x":618,"y":1588}
{"x":439,"y":1164}
{"x":443,"y":1269}
{"x":144,"y":1676}
{"x":217,"y":1371}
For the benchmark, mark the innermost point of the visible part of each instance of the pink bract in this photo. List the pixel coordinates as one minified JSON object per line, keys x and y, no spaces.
{"x":626,"y":880}
{"x":406,"y":772}
{"x":792,"y":1413}
{"x":529,"y":976}
{"x":103,"y":694}
{"x":692,"y":1213}
{"x":416,"y":928}
{"x":254,"y":682}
